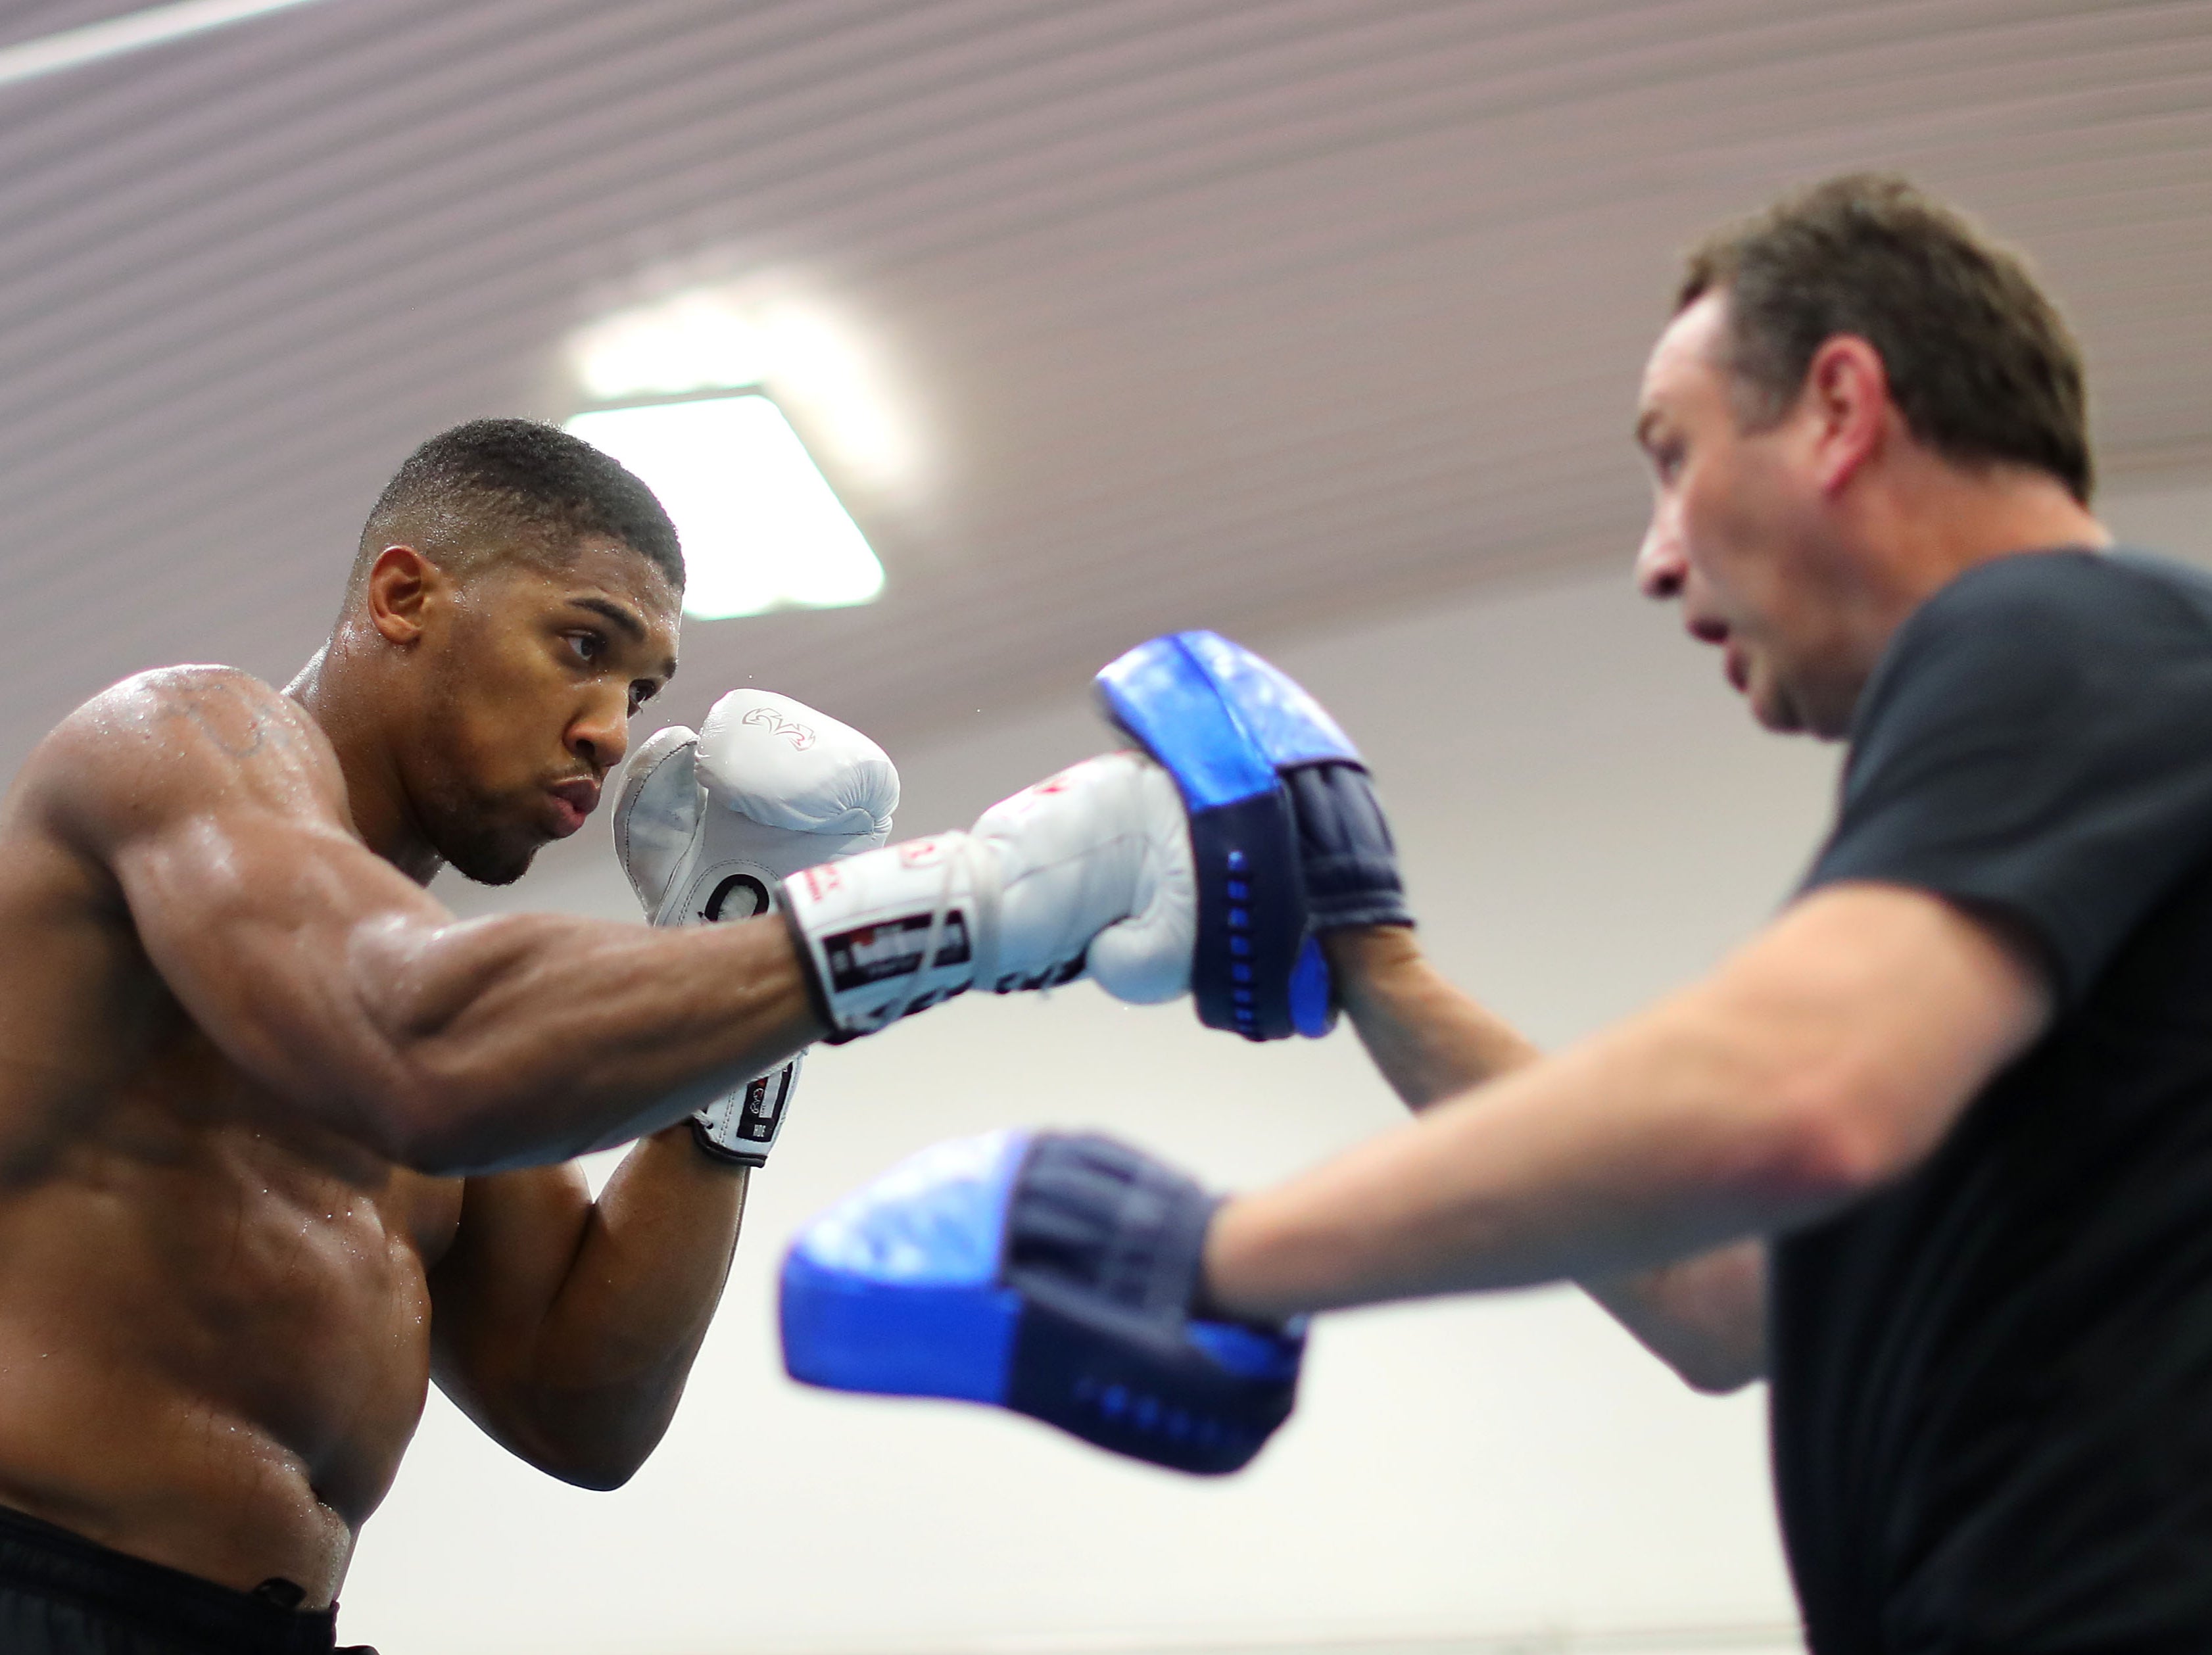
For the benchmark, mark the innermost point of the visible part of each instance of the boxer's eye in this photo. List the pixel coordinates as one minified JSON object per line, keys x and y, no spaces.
{"x":641,"y":691}
{"x":589,"y":645}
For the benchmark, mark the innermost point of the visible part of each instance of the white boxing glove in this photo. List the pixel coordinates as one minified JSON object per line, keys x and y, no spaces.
{"x":1088,"y":872}
{"x":708,"y":826}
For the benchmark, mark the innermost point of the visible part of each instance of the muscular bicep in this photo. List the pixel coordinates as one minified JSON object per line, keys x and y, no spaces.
{"x":220,"y":811}
{"x":518,"y":1235}
{"x":215,"y":811}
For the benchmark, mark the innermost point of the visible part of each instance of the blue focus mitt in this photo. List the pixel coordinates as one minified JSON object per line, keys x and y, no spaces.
{"x":1285,"y":828}
{"x":1051,"y":1274}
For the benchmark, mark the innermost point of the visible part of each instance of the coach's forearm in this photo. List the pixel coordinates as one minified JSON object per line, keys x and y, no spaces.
{"x":1596,"y":1163}
{"x":528,"y":1038}
{"x":1703,"y":1316}
{"x":620,"y":1337}
{"x":1430,"y":1040}
{"x":1828,"y":1057}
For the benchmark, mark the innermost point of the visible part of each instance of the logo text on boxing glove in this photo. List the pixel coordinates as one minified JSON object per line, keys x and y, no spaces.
{"x":801,"y":736}
{"x":892,"y":948}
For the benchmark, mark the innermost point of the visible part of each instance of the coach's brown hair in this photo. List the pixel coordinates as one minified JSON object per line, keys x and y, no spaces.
{"x":1980,"y":363}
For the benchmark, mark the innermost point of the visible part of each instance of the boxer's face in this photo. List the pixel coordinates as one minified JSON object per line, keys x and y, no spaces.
{"x":531,"y":672}
{"x":1739,"y":535}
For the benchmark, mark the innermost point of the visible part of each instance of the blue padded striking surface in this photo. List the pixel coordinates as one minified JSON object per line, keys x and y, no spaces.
{"x":998,"y":1270}
{"x":1225,"y":722}
{"x":896,"y":1288}
{"x":1226,"y":725}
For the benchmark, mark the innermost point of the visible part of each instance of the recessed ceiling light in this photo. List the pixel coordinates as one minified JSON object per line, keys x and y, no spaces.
{"x":813,"y":361}
{"x":693,"y":342}
{"x":760,"y":526}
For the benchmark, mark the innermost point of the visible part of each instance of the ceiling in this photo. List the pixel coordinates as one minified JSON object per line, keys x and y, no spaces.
{"x":1255,"y":314}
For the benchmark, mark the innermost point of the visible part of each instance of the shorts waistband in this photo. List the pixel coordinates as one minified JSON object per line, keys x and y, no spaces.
{"x":41,"y":1559}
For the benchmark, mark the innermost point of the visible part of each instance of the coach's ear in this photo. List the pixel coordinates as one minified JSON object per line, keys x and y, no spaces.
{"x":1850,"y":412}
{"x":400,"y":585}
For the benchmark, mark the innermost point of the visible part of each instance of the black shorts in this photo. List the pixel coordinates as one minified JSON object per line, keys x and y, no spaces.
{"x":62,"y":1594}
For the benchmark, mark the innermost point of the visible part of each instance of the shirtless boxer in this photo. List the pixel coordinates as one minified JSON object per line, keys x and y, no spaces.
{"x":277,"y":1133}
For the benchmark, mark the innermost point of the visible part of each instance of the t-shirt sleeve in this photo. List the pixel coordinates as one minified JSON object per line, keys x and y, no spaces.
{"x":2037,"y":743}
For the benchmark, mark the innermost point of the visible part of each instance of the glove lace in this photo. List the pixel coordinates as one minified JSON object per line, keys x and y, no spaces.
{"x":917,"y":997}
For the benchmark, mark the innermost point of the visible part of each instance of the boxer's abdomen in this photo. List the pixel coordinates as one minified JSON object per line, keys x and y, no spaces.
{"x":214,"y":1325}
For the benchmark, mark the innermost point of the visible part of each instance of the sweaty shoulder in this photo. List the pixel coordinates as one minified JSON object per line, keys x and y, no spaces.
{"x":178,"y":742}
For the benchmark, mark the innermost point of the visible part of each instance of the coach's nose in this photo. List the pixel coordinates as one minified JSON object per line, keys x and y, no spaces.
{"x":1661,"y":567}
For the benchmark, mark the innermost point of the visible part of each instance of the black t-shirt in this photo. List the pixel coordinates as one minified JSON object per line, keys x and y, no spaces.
{"x":1992,"y":1382}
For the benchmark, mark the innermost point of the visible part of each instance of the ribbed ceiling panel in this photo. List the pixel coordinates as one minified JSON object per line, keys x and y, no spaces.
{"x":1250,"y":314}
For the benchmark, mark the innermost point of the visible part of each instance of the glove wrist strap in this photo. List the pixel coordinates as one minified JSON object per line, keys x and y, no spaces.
{"x":889,"y":931}
{"x":742,"y":1125}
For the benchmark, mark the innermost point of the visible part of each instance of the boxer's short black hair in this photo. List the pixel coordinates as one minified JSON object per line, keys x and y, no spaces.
{"x":1980,"y":362}
{"x":488,"y":488}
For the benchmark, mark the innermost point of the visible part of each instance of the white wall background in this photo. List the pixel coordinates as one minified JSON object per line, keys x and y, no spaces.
{"x":1588,"y":818}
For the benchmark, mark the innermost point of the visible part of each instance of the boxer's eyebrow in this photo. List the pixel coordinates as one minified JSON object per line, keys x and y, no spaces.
{"x":623,"y":621}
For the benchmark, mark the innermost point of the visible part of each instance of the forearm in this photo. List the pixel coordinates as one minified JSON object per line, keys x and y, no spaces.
{"x":533,"y":1038}
{"x":617,"y":1341}
{"x":1826,"y":1058}
{"x":1430,"y":1040}
{"x":1704,"y":1316}
{"x":220,"y":812}
{"x":1585,"y":1166}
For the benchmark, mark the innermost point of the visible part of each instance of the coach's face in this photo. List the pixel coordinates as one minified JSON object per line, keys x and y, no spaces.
{"x":1738,"y":534}
{"x":531,"y":681}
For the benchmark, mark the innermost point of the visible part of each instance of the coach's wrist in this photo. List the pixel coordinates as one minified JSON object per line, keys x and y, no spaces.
{"x":1370,"y":962}
{"x":1232,"y":1274}
{"x":1206,"y":1304}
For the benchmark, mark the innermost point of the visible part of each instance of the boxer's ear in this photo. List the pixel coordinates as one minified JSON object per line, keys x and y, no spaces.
{"x":398,"y":589}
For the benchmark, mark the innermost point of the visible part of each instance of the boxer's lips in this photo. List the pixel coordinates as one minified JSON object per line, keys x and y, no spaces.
{"x":572,"y":802}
